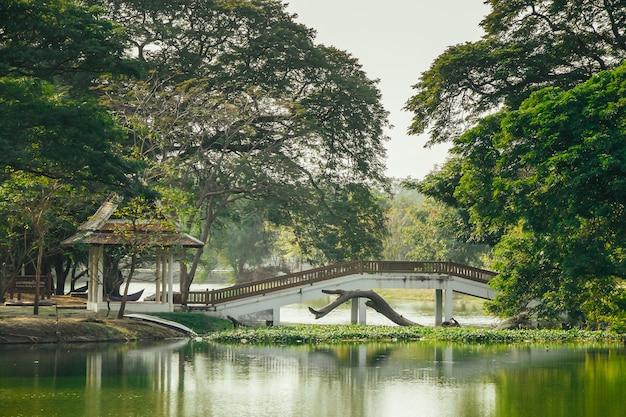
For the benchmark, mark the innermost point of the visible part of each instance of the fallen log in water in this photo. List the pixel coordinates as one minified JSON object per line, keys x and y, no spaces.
{"x":375,"y":301}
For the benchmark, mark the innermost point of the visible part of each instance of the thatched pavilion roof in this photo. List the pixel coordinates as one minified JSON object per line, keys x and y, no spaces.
{"x":100,"y":229}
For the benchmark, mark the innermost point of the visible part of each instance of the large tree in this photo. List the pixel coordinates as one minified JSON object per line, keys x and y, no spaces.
{"x":240,"y":103}
{"x":49,"y":55}
{"x":554,"y":190}
{"x":54,"y":135}
{"x":36,"y":214}
{"x":559,"y":175}
{"x":535,"y":165}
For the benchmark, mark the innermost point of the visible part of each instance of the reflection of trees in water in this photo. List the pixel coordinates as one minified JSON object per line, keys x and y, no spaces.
{"x":547,"y":374}
{"x":342,"y":378}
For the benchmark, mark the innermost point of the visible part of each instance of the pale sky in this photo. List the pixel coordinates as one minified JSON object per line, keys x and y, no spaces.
{"x":395,"y":41}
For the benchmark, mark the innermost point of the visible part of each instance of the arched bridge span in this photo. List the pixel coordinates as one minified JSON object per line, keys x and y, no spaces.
{"x":264,"y":298}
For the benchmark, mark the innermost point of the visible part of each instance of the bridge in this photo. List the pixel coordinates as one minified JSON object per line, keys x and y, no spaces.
{"x":261,"y":300}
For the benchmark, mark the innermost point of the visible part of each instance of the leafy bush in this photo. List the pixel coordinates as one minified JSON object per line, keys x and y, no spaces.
{"x":307,"y":334}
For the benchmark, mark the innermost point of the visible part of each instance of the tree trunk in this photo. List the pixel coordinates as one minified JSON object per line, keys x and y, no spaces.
{"x":120,"y":313}
{"x":38,"y":273}
{"x":183,"y":275}
{"x":61,"y":271}
{"x":212,"y":208}
{"x":375,"y":301}
{"x":75,"y":277}
{"x":111,"y":275}
{"x":196,"y":259}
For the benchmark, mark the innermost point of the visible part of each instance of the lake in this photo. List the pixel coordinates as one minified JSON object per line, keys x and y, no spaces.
{"x":182,"y":378}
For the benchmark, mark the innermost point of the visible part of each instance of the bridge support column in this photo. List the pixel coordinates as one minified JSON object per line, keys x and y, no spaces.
{"x":358,"y":312}
{"x":276,"y":316}
{"x":448,"y":304}
{"x":438,"y":307}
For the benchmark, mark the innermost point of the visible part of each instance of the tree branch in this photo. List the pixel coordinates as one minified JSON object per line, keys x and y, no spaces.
{"x":375,"y":301}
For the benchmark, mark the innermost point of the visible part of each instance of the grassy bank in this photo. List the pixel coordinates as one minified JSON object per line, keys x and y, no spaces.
{"x":343,"y":333}
{"x":21,"y":328}
{"x":40,"y":330}
{"x":18,"y":325}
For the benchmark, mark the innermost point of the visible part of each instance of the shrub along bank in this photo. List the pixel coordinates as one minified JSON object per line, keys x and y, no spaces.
{"x":306,"y":334}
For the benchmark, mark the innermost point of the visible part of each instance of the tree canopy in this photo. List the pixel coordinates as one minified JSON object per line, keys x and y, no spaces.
{"x":559,"y":174}
{"x":535,"y":114}
{"x":49,"y":55}
{"x":527,"y":45}
{"x":59,"y":148}
{"x":205,"y":102}
{"x":240,"y":103}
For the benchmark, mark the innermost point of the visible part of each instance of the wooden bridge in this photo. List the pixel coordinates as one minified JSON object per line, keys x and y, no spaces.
{"x":262,"y":299}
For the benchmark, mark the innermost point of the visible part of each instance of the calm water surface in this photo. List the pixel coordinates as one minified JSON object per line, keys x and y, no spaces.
{"x":375,"y":379}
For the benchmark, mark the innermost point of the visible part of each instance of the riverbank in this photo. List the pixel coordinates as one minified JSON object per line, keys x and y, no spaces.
{"x":93,"y":329}
{"x":37,"y":329}
{"x":67,"y":321}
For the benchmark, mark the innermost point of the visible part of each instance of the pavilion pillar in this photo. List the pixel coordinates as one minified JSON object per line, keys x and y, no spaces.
{"x":164,"y":276}
{"x":170,"y":279}
{"x":158,"y":274}
{"x":95,"y":268}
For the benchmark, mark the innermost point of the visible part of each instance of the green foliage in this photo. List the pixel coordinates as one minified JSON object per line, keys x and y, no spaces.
{"x":35,"y":215}
{"x":535,"y":110}
{"x":421,"y":229}
{"x":50,"y":54}
{"x":59,"y":41}
{"x":244,"y":241}
{"x":526,"y":46}
{"x":525,"y":274}
{"x":558,"y":182}
{"x":52,"y":135}
{"x":235,"y":102}
{"x":334,"y":225}
{"x":57,"y":144}
{"x":350,"y":333}
{"x":249,"y":108}
{"x":435,"y":233}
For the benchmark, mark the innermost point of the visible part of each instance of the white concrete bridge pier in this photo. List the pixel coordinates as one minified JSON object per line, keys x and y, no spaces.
{"x":358,"y":311}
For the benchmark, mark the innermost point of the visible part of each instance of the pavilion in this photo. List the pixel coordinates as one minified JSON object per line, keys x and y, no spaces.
{"x":101,"y":232}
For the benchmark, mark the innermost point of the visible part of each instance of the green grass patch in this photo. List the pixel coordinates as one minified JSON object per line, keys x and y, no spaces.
{"x":313,"y":334}
{"x":198,"y":322}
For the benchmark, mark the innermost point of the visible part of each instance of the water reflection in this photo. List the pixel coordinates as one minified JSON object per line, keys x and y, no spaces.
{"x":373,"y":379}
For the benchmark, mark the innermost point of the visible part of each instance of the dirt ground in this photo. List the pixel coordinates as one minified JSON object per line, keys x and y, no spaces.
{"x":66,"y":322}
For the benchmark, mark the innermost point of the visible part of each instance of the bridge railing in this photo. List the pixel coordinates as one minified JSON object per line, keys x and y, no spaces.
{"x":311,"y":276}
{"x":430,"y":267}
{"x":471,"y":273}
{"x":273,"y":284}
